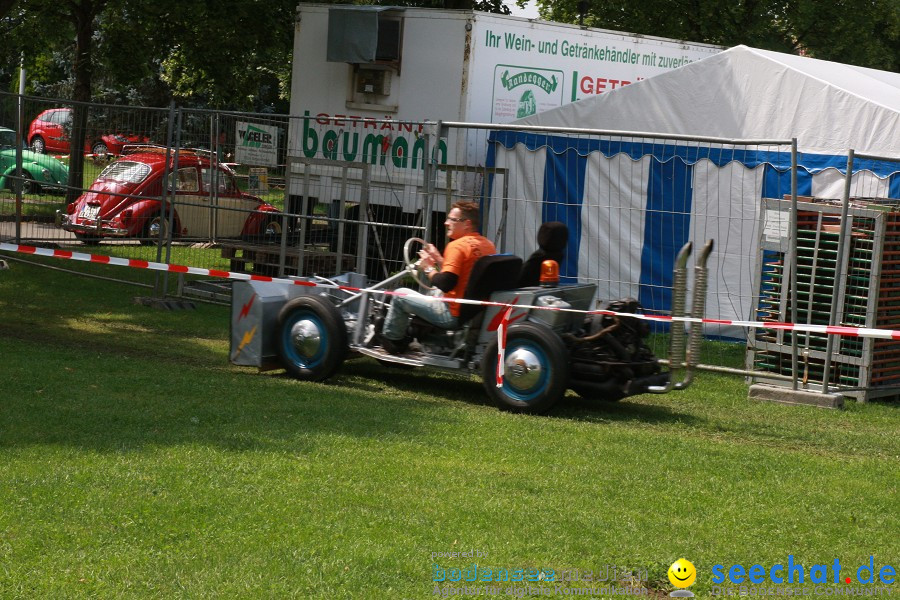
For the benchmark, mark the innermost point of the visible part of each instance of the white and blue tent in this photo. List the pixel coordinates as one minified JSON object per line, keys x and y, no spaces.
{"x":631,"y":202}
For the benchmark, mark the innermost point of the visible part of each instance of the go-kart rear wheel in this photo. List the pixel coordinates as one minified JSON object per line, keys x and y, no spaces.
{"x":312,"y":338}
{"x":536,"y":369}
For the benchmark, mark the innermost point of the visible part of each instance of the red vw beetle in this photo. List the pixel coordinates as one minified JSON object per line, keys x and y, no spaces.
{"x":123,"y":202}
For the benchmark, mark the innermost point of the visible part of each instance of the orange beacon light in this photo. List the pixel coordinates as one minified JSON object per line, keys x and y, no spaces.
{"x":549,"y":273}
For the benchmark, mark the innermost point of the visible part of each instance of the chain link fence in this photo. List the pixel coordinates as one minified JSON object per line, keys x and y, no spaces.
{"x":281,"y":195}
{"x":287,"y":195}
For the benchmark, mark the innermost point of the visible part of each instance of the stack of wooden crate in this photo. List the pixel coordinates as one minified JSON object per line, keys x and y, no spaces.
{"x":865,"y":283}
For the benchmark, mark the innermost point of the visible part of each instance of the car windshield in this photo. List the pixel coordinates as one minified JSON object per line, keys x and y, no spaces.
{"x":126,"y":171}
{"x":7,"y":138}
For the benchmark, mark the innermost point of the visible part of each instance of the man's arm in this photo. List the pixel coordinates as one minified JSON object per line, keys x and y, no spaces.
{"x":445,"y":276}
{"x":444,"y":281}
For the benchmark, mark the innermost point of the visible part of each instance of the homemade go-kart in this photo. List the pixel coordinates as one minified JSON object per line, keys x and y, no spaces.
{"x":311,"y":327}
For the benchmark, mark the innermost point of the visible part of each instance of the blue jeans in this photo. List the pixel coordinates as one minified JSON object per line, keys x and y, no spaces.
{"x":402,"y":309}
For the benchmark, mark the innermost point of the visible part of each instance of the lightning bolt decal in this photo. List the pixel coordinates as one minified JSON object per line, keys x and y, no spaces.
{"x":248,"y":337}
{"x":245,"y":310}
{"x":498,"y":318}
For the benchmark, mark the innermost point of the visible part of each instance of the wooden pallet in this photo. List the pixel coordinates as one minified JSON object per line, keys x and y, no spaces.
{"x":264,"y":259}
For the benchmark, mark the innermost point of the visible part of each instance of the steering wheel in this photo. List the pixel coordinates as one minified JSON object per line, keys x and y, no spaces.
{"x":412,"y":264}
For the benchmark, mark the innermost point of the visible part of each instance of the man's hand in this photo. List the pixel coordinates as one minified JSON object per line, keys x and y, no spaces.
{"x":432,"y":251}
{"x":425,"y":260}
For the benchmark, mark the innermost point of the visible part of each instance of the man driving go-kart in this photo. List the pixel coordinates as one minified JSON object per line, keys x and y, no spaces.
{"x":552,"y":340}
{"x":449,"y":274}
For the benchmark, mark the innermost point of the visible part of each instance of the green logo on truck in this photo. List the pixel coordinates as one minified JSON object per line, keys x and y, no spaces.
{"x":527,"y":105}
{"x":529,"y":78}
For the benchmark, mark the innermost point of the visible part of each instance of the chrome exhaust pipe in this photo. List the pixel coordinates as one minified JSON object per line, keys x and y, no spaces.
{"x":698,"y":307}
{"x":678,"y":343}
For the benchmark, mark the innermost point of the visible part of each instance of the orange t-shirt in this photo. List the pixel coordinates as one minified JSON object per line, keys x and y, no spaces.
{"x":459,"y":256}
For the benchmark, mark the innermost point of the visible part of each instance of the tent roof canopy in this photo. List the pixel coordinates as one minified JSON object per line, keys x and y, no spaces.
{"x":747,"y":93}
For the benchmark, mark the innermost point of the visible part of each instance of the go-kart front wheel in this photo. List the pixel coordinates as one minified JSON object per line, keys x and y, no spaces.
{"x":536,"y":369}
{"x":312,"y":338}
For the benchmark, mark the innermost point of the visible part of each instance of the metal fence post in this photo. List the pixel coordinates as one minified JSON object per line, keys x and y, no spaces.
{"x":362,"y":243}
{"x":840,"y":275}
{"x":170,"y":133}
{"x":214,"y":174}
{"x":20,"y":135}
{"x":432,"y":132}
{"x":793,"y":247}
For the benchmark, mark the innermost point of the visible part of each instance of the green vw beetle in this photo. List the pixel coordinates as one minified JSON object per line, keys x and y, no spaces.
{"x":42,"y":173}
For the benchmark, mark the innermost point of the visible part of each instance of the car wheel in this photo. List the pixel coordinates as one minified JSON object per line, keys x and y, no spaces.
{"x":88,"y":240}
{"x":29,"y":185}
{"x":536,"y":369}
{"x":99,"y":148}
{"x":37,"y":145}
{"x":312,"y":338}
{"x":150,"y":235}
{"x":270,"y":232}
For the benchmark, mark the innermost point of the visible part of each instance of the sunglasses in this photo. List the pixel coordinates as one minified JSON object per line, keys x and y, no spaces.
{"x":457,"y":219}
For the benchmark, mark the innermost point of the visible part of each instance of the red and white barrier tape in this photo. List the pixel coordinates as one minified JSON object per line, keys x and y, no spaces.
{"x":501,"y":345}
{"x":839,"y":330}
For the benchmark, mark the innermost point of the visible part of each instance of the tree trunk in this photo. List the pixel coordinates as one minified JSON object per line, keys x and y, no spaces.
{"x":83,"y":18}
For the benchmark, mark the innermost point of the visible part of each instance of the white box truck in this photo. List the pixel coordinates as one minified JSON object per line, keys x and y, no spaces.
{"x":365,"y":77}
{"x":415,"y":63}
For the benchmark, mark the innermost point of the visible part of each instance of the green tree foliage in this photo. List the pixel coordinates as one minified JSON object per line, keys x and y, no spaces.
{"x":859,"y":32}
{"x":490,"y":6}
{"x":207,"y":53}
{"x":199,"y":52}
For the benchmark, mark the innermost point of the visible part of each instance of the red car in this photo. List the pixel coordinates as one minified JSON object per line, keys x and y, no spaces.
{"x":49,"y":133}
{"x":123,"y":201}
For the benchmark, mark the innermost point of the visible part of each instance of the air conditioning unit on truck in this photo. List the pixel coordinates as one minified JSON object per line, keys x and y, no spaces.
{"x":366,"y":78}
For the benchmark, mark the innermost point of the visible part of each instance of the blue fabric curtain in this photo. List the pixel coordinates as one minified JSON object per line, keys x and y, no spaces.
{"x":668,"y":221}
{"x":563,"y":192}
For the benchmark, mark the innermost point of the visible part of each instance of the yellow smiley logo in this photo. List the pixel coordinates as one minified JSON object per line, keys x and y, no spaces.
{"x":682,"y":573}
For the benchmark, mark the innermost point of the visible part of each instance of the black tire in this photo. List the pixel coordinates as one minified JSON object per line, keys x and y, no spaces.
{"x":312,"y":338}
{"x":29,"y":185}
{"x":533,"y":390}
{"x":37,"y":145}
{"x":269,"y":232}
{"x":99,"y":148}
{"x":150,"y":233}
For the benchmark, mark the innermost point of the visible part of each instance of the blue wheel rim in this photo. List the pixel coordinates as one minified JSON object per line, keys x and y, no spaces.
{"x":532,"y":392}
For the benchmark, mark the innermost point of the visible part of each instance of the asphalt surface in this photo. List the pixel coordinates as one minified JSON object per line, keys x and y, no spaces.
{"x":31,"y":231}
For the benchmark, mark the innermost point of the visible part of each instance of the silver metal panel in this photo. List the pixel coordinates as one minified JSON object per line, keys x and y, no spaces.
{"x":254,"y":315}
{"x":579,"y":297}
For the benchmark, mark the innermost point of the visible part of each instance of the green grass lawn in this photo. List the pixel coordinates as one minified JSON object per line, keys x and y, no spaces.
{"x":137,"y":462}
